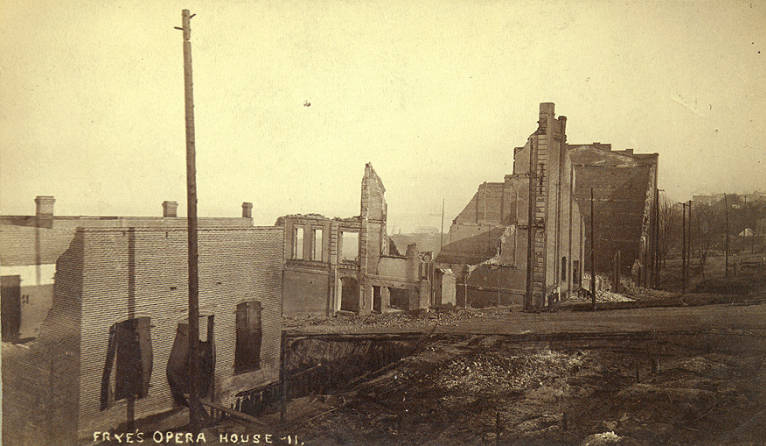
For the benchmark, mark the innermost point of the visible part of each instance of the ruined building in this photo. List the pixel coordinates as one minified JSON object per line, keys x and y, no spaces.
{"x":624,"y":187}
{"x":625,"y":195}
{"x":102,"y":303}
{"x":348,"y":264}
{"x":501,"y":255}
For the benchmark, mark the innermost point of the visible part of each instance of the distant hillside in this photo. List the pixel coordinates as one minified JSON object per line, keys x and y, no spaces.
{"x":425,"y":242}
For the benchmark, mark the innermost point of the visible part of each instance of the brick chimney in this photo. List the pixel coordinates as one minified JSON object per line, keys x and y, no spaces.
{"x":44,"y":210}
{"x":247,"y":209}
{"x":547,"y":109}
{"x":170,"y":209}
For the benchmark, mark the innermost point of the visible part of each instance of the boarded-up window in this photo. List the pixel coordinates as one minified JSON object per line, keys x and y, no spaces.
{"x":178,"y":363}
{"x":247,"y":355}
{"x":349,"y":246}
{"x":316,"y":252}
{"x":129,"y":353}
{"x":298,"y":243}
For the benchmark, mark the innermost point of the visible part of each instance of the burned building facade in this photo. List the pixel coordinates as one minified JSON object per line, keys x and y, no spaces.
{"x":624,"y":188}
{"x":625,"y":202}
{"x":112,"y":348}
{"x":521,"y":241}
{"x":350,"y":264}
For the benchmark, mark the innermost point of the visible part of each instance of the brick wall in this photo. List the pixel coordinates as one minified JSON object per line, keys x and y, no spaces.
{"x":40,"y":386}
{"x":122,"y":272}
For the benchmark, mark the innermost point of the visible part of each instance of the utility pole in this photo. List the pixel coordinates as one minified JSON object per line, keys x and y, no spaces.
{"x":531,"y":227}
{"x":441,"y":233}
{"x":191,"y":218}
{"x":592,"y":253}
{"x":683,"y":251}
{"x":690,"y":251}
{"x":726,"y":240}
{"x":657,"y":238}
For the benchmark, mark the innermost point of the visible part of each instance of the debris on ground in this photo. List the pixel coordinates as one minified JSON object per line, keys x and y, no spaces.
{"x":463,"y":392}
{"x":398,"y":319}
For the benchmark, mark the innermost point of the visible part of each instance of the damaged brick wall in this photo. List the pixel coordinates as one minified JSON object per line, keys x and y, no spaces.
{"x":624,"y":187}
{"x":314,"y":286}
{"x":236,"y":265}
{"x":109,"y":275}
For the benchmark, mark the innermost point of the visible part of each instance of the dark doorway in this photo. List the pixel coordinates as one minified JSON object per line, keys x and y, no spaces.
{"x":576,"y":272}
{"x":376,"y":299}
{"x":10,"y":293}
{"x":247,"y":353}
{"x":400,"y":298}
{"x":349,"y":294}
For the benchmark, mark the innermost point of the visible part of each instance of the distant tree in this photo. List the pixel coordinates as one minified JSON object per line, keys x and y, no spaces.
{"x":706,"y":222}
{"x":670,"y":215}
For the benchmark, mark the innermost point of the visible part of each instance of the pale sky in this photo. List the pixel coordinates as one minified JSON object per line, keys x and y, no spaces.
{"x":435,"y":94}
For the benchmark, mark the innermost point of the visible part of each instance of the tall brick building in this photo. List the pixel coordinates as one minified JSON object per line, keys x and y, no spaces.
{"x":112,"y":347}
{"x":624,"y":186}
{"x":504,"y":257}
{"x":347,"y":264}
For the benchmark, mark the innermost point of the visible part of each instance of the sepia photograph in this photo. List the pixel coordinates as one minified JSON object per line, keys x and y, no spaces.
{"x":330,"y":223}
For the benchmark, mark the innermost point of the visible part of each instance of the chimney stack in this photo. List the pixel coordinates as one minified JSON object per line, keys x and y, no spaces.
{"x":247,"y":209}
{"x":547,"y":109}
{"x":170,"y":209}
{"x":44,"y":210}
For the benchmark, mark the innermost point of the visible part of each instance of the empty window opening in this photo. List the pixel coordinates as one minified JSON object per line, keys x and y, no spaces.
{"x":576,"y":272}
{"x":247,"y":353}
{"x":400,"y":298}
{"x":129,"y":353}
{"x":178,"y":363}
{"x":376,"y":299}
{"x":316,"y":252}
{"x":349,"y":294}
{"x":563,"y":269}
{"x":350,"y":246}
{"x":298,"y":243}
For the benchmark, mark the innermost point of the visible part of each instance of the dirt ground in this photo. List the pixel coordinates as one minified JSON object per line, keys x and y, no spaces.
{"x":463,"y":393}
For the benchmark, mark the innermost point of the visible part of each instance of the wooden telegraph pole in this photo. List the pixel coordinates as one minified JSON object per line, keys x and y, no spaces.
{"x":690,"y":251}
{"x":683,"y":251}
{"x":531,"y":227}
{"x":592,"y":252}
{"x":191,"y":202}
{"x":441,"y":233}
{"x":726,"y":240}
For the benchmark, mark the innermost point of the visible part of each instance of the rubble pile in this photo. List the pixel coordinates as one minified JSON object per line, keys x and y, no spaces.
{"x":399,"y":319}
{"x":601,"y":296}
{"x":490,"y":372}
{"x":457,"y":393}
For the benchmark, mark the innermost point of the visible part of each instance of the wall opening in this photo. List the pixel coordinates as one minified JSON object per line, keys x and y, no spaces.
{"x":247,"y":353}
{"x":316,"y":251}
{"x":400,"y":298}
{"x":576,"y":272}
{"x":298,"y":243}
{"x":129,"y":353}
{"x":563,"y":269}
{"x":349,"y":297}
{"x":376,"y":299}
{"x":349,"y":246}
{"x":178,"y":363}
{"x":10,"y":293}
